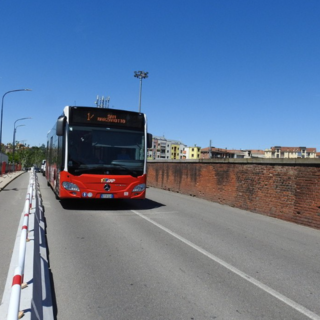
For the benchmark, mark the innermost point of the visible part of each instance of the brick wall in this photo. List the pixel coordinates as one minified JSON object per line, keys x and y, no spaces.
{"x":287,"y":189}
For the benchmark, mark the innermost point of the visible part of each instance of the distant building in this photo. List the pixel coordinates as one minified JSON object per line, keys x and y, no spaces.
{"x":192,"y":152}
{"x":163,"y":148}
{"x":3,"y":158}
{"x":290,"y":152}
{"x":253,"y":153}
{"x":212,"y":152}
{"x":207,"y":153}
{"x":177,"y":150}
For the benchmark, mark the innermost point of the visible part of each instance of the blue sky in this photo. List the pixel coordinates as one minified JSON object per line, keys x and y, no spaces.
{"x":244,"y":74}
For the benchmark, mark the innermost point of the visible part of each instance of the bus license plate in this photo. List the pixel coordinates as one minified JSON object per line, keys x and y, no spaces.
{"x":106,"y":196}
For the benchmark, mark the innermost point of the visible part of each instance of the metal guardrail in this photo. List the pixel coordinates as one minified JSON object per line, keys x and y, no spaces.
{"x":18,"y":278}
{"x":37,"y":301}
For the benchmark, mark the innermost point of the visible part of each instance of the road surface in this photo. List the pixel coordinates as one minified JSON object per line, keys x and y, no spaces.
{"x":177,"y":257}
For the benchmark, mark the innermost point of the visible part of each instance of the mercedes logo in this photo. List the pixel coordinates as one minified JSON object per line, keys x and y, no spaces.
{"x":107,"y":187}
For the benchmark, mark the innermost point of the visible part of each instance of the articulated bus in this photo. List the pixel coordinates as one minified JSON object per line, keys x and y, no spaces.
{"x":98,"y":153}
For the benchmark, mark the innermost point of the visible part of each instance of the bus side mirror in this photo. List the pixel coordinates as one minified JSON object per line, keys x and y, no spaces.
{"x":149,"y":140}
{"x":61,"y":122}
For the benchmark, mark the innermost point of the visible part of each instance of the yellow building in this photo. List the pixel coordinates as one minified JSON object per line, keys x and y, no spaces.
{"x":193,"y":152}
{"x":177,"y":150}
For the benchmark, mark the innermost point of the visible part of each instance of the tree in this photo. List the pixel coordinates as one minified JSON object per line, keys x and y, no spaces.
{"x":36,"y":156}
{"x":30,"y":156}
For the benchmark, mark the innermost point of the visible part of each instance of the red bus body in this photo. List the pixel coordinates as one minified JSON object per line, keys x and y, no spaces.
{"x":102,"y":133}
{"x":92,"y":186}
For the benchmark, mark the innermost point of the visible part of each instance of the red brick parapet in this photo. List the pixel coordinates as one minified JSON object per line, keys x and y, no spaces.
{"x":287,"y":189}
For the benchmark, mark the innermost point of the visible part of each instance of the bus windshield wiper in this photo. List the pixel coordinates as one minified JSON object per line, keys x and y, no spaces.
{"x":99,"y":168}
{"x":132,"y":172}
{"x":105,"y":169}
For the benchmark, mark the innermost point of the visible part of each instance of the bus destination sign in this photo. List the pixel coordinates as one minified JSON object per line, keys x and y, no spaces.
{"x":111,"y":117}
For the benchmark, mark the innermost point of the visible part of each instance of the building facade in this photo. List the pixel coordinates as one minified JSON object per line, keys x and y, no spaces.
{"x":193,"y":152}
{"x":163,"y":148}
{"x":212,"y":152}
{"x":290,"y":152}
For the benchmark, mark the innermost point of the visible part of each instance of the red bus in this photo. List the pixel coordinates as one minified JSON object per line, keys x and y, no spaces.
{"x":98,"y":153}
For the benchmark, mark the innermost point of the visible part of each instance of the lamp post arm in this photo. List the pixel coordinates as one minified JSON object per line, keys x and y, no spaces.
{"x":2,"y":111}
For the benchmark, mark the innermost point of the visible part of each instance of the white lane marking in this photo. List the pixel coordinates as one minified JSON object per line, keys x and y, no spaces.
{"x":243,"y":275}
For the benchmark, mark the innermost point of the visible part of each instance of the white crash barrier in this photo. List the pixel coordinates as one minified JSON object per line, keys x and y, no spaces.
{"x":13,"y":312}
{"x":24,"y":237}
{"x":18,"y":278}
{"x":34,"y":299}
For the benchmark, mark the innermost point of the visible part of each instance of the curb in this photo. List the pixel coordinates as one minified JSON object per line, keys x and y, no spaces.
{"x":8,"y":179}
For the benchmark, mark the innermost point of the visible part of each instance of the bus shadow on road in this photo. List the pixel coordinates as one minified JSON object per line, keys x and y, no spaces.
{"x":109,"y":205}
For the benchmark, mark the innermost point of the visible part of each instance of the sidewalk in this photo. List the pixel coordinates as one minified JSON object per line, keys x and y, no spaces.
{"x":8,"y":177}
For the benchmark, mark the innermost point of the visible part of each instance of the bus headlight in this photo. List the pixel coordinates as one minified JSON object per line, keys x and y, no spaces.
{"x":139,"y":188}
{"x":70,"y":186}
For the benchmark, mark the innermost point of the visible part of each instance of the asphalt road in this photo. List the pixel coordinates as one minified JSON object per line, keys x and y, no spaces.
{"x":177,"y":257}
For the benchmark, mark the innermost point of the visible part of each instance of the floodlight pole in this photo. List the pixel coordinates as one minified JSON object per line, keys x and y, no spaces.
{"x":141,"y":75}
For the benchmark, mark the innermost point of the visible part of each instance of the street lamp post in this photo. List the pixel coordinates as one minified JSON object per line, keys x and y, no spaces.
{"x":2,"y":110}
{"x":21,"y":125}
{"x":140,"y":75}
{"x":14,"y":135}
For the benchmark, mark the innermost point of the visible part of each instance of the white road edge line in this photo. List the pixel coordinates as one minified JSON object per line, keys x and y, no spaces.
{"x":243,"y":275}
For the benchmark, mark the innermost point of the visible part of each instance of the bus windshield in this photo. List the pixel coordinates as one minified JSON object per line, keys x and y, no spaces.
{"x":101,"y":150}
